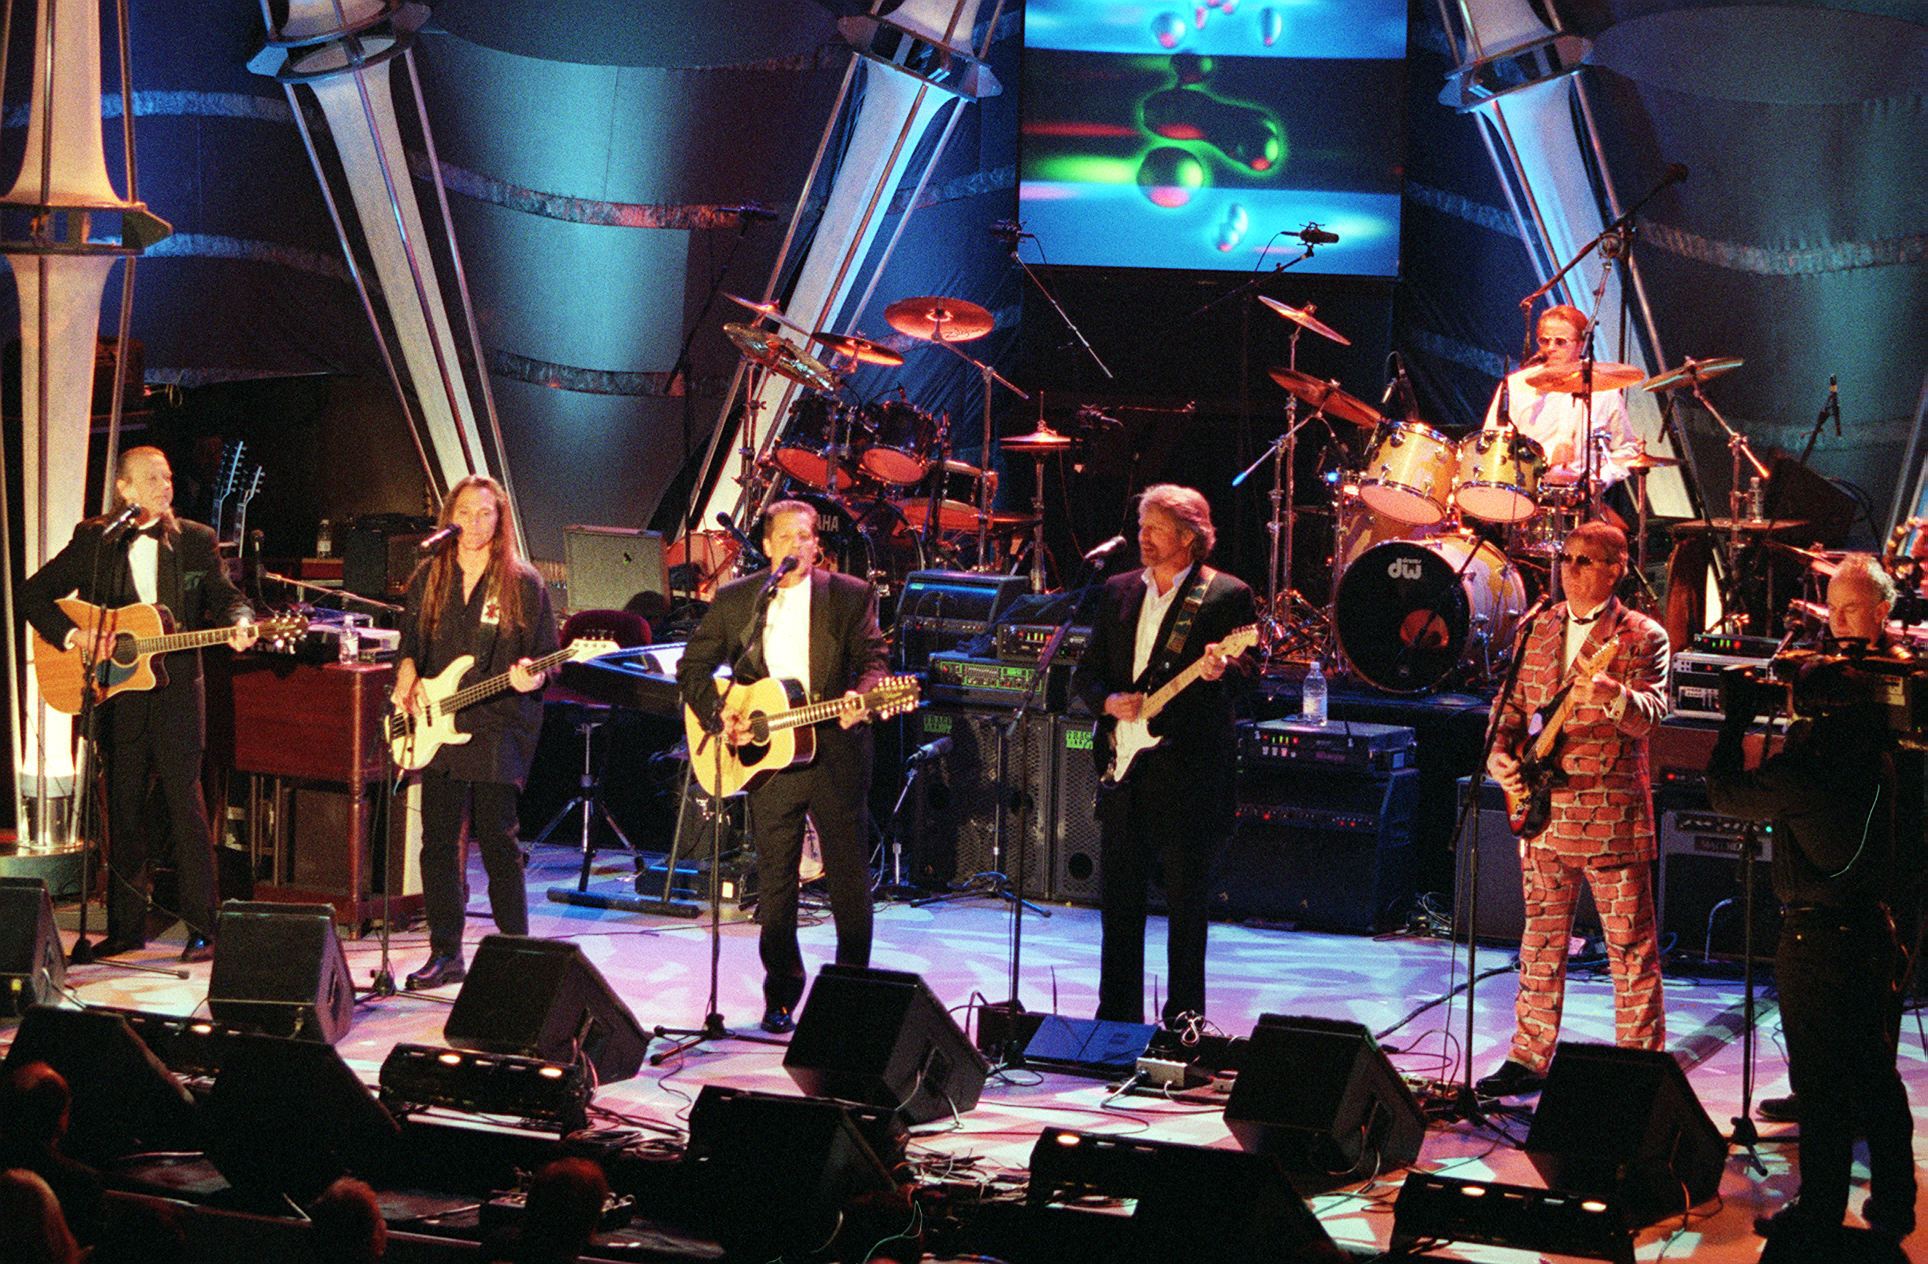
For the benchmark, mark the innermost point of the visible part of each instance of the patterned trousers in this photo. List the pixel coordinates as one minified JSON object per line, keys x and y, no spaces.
{"x":1623,"y":895}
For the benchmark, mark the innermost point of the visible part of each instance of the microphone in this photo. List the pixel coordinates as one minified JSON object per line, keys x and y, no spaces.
{"x":1408,"y":401}
{"x":1313,"y":235}
{"x":929,"y":752}
{"x":778,"y":574}
{"x":120,"y":521}
{"x":430,"y":543}
{"x":738,"y":534}
{"x":1834,"y":404}
{"x":1392,"y":381}
{"x":1011,"y":231}
{"x":749,"y":210}
{"x":1100,"y":552}
{"x":1504,"y":413}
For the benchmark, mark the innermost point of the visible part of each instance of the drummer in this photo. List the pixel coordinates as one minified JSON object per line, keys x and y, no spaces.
{"x":1556,"y":420}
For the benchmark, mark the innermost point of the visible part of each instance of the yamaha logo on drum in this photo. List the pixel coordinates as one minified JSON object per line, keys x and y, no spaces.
{"x":1404,"y":568}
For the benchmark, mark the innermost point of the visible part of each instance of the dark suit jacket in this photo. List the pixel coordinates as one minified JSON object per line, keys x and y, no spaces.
{"x":189,"y":582}
{"x":847,"y":649}
{"x":1195,"y":764}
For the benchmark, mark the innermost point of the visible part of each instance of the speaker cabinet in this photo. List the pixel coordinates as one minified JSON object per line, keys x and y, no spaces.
{"x":1077,"y":876}
{"x":1320,"y":848}
{"x":954,"y":817}
{"x":883,"y":1037}
{"x":1701,"y":901}
{"x":610,"y":567}
{"x":279,"y":969}
{"x":1320,"y":1096}
{"x":1501,"y":915}
{"x":288,"y":1117}
{"x":124,"y":1100}
{"x":32,"y":966}
{"x":1625,"y":1122}
{"x":542,"y":998}
{"x":378,"y":553}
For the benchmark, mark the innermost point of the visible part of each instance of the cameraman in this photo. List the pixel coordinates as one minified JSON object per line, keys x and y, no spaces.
{"x":1831,"y":795}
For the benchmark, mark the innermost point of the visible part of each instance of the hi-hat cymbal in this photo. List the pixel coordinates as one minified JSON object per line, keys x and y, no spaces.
{"x":1040,"y":441}
{"x":1648,"y":461}
{"x":768,"y":311}
{"x":860,"y":349}
{"x":1303,"y":316}
{"x":767,"y":348}
{"x":1607,"y":376}
{"x":934,"y":318}
{"x":1326,"y":397}
{"x":1692,"y":371}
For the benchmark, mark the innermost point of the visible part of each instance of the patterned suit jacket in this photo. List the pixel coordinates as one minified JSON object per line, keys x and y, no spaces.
{"x":1604,"y":814}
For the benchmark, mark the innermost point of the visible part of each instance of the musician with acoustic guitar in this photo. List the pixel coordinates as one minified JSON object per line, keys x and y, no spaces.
{"x":819,"y":634}
{"x":477,"y":599}
{"x":153,"y":562}
{"x":1168,"y":791}
{"x":1594,"y":673}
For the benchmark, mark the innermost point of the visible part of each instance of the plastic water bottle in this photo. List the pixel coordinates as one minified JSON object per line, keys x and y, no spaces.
{"x":1312,"y":694}
{"x":325,"y":539}
{"x":348,"y":645}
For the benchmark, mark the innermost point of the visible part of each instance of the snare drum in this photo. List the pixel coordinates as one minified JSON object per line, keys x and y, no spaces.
{"x":816,"y":422}
{"x":1499,"y":472}
{"x":900,"y":442}
{"x":954,"y":486}
{"x":1409,"y":474}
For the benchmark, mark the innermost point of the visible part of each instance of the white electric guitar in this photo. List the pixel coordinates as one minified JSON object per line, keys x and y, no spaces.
{"x":1121,"y":741}
{"x":413,"y":737}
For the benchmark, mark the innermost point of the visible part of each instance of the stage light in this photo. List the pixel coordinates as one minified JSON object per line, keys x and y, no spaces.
{"x":1441,"y":1209}
{"x":417,"y":1077}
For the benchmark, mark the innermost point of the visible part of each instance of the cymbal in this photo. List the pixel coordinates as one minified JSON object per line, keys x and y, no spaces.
{"x":934,"y":318}
{"x":860,"y":348}
{"x":1303,"y":316}
{"x":1607,"y":376}
{"x":1648,"y":461}
{"x":768,"y":349}
{"x":765,"y":309}
{"x":1692,"y":371}
{"x":1042,"y":440}
{"x":1748,"y":526}
{"x":1326,"y":397}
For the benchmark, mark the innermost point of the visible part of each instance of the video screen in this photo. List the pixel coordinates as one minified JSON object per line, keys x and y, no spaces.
{"x":1193,"y":136}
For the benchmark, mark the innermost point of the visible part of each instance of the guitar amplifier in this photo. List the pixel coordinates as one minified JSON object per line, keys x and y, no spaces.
{"x":940,"y":610}
{"x":951,"y":823}
{"x":378,"y":553}
{"x":1345,"y":744}
{"x":1701,"y":901}
{"x":987,"y":682}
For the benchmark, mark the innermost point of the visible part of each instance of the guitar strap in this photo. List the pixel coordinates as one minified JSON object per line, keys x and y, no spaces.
{"x":1160,"y":668}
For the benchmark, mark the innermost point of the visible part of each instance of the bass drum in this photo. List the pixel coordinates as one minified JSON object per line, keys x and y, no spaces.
{"x":1405,"y":624}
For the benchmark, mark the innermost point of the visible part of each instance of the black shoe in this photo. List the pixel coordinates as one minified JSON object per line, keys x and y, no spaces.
{"x":1893,"y":1228}
{"x":1779,"y":1110}
{"x":777,"y":1020}
{"x":1512,"y":1080}
{"x":199,"y":948}
{"x":115,"y":945}
{"x":439,"y":970}
{"x":1796,"y":1222}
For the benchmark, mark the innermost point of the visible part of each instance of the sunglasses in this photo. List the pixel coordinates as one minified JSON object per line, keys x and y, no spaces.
{"x":1580,"y":561}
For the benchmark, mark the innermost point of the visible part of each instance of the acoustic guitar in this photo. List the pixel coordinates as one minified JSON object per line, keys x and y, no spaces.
{"x":142,"y":633}
{"x":780,"y":729}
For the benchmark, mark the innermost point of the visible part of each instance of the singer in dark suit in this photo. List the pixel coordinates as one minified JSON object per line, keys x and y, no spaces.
{"x":820,"y":630}
{"x":1173,"y":811}
{"x":157,"y":558}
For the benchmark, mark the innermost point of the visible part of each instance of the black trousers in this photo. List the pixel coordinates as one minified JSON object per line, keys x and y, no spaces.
{"x":1836,"y":971}
{"x":835,"y":790}
{"x":490,"y":808}
{"x":141,"y":742}
{"x":1140,"y":835}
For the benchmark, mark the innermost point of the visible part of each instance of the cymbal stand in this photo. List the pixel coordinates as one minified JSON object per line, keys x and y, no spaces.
{"x":1037,"y":527}
{"x":1737,"y":447}
{"x":988,"y":375}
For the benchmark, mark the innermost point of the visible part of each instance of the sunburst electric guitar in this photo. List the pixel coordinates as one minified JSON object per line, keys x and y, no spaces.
{"x":1539,"y":753}
{"x":1122,"y":741}
{"x":414,"y":737}
{"x":142,"y":633}
{"x":780,"y":729}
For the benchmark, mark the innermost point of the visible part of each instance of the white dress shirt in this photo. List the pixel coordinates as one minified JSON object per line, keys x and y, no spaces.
{"x":1151,"y":615}
{"x":786,"y":634}
{"x":1558,"y":420}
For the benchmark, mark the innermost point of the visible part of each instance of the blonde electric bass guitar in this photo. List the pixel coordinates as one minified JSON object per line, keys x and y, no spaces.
{"x":780,"y":729}
{"x":142,"y":633}
{"x":414,"y":737}
{"x":1121,"y":741}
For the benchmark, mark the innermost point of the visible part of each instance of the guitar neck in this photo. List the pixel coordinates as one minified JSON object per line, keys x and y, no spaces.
{"x":817,"y":712}
{"x":486,"y":689}
{"x":180,"y":641}
{"x":1550,"y":731}
{"x":1161,"y":698}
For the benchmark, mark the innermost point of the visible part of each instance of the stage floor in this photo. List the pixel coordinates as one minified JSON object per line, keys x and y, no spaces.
{"x":660,"y":967}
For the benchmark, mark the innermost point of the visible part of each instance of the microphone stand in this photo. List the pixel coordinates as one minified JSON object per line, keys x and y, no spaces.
{"x":988,"y":375}
{"x":1013,"y":241}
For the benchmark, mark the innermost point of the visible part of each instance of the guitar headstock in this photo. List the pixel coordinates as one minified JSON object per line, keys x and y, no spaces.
{"x":894,"y":695}
{"x":279,"y":632}
{"x":254,"y":484}
{"x":585,"y":648}
{"x":1238,"y":640}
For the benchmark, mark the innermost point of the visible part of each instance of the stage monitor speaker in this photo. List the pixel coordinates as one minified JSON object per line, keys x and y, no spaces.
{"x":124,"y":1100}
{"x":1625,"y":1122}
{"x":1320,"y":1095}
{"x":32,"y":966}
{"x":610,"y":567}
{"x":288,"y":1117}
{"x":883,"y":1037}
{"x":1701,"y":902}
{"x":542,"y":998}
{"x":1192,"y":1202}
{"x":279,"y":969}
{"x":953,"y":817}
{"x":1320,"y":848}
{"x":785,"y":1177}
{"x":378,"y":553}
{"x":1077,"y":875}
{"x":1502,"y":897}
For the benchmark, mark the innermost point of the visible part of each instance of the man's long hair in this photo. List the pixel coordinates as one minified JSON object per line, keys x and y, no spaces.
{"x":505,"y":564}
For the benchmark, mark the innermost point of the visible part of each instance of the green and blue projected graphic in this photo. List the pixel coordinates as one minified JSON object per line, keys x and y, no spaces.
{"x":1189,"y":136}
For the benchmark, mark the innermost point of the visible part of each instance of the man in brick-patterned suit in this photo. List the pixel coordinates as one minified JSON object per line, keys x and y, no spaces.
{"x":1602,"y":827}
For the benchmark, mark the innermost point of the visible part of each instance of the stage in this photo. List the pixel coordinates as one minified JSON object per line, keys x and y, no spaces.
{"x":659,"y":966}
